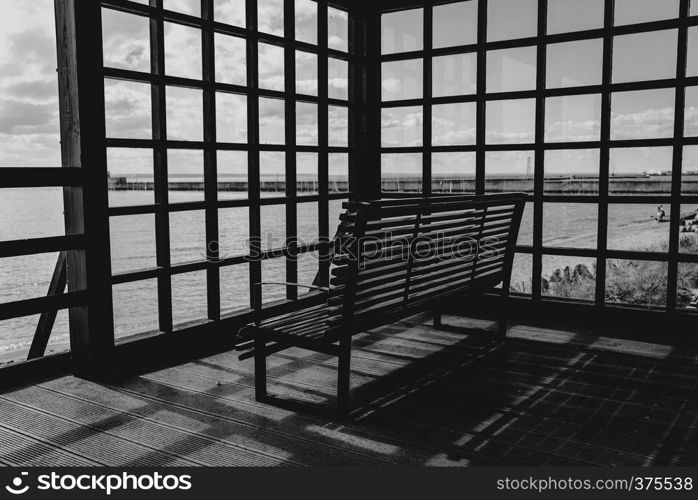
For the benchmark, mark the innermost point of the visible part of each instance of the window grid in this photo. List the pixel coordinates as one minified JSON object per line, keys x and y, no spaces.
{"x":160,"y":82}
{"x":539,"y":146}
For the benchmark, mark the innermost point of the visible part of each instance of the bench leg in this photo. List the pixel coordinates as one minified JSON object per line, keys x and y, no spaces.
{"x":437,"y":319}
{"x":344,"y":377}
{"x":502,"y":328}
{"x":260,"y":366}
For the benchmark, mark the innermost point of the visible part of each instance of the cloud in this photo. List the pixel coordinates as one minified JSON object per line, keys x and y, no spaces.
{"x":22,"y":117}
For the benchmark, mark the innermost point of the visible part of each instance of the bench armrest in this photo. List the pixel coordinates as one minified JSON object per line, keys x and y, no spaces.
{"x":258,"y":294}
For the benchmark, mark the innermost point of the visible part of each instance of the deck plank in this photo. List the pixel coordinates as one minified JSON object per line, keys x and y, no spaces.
{"x":452,"y":397}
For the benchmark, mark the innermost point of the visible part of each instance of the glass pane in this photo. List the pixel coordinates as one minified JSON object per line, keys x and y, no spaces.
{"x":235,"y":288}
{"x":511,"y":69}
{"x":270,"y":16}
{"x":308,"y":268}
{"x":569,"y":277}
{"x":306,"y":21}
{"x":639,"y":283}
{"x":692,"y":63}
{"x":182,"y":51}
{"x":230,"y":12}
{"x":694,"y":9}
{"x":185,"y":114}
{"x":689,"y":174}
{"x":454,"y":124}
{"x":573,"y":15}
{"x":185,"y":171}
{"x":188,"y":236}
{"x":338,"y":123}
{"x":574,"y":64}
{"x":231,"y":118}
{"x":509,"y":171}
{"x":402,"y":127}
{"x":130,"y":177}
{"x":189,"y":298}
{"x":570,"y":225}
{"x":274,"y":271}
{"x":338,"y":29}
{"x":526,"y":230}
{"x":132,"y":243}
{"x":273,"y":227}
{"x":271,"y":67}
{"x":640,"y":11}
{"x":338,"y":84}
{"x":645,"y":56}
{"x":335,"y":210}
{"x":231,"y":59}
{"x":688,"y":235}
{"x":401,"y":173}
{"x":306,"y":124}
{"x":521,"y":274}
{"x":135,"y":308}
{"x":232,"y":175}
{"x":453,"y":172}
{"x":454,"y":75}
{"x":307,"y":173}
{"x":306,"y":73}
{"x":455,"y":24}
{"x":642,"y":114}
{"x":691,"y":113}
{"x":272,"y":172}
{"x":511,"y":122}
{"x":233,"y":232}
{"x":308,"y":225}
{"x":127,"y":109}
{"x":508,"y":19}
{"x":687,"y":293}
{"x":191,"y":7}
{"x":126,"y":41}
{"x":402,"y":31}
{"x":402,"y":80}
{"x":272,"y":113}
{"x":572,"y":171}
{"x":339,"y":173}
{"x":573,"y":118}
{"x":642,"y":171}
{"x":642,"y":228}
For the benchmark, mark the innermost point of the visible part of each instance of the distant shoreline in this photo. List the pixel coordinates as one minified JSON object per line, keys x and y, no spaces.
{"x":649,"y":185}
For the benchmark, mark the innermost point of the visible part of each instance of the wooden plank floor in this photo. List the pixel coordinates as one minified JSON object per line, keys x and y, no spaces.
{"x":422,"y":397}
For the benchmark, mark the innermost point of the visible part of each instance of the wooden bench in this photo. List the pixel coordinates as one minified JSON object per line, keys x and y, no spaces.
{"x":390,"y":260}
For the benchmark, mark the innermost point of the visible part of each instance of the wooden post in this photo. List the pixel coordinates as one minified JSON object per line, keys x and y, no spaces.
{"x":344,"y":376}
{"x":48,"y":318}
{"x":81,"y":97}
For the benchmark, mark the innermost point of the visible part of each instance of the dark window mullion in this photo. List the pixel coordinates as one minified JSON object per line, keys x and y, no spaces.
{"x":210,"y":161}
{"x":677,"y":163}
{"x":291,"y":159}
{"x":539,"y":175}
{"x":606,"y":98}
{"x":480,"y":125}
{"x":253,"y":140}
{"x":427,"y":96}
{"x":323,"y":139}
{"x":159,"y":124}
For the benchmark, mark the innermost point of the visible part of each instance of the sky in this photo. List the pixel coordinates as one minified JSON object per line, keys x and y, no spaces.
{"x":29,"y":109}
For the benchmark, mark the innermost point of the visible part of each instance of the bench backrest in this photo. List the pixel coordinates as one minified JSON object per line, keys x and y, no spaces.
{"x":393,"y":258}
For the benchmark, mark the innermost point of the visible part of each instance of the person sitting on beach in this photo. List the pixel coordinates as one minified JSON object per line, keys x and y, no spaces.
{"x":660,"y":213}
